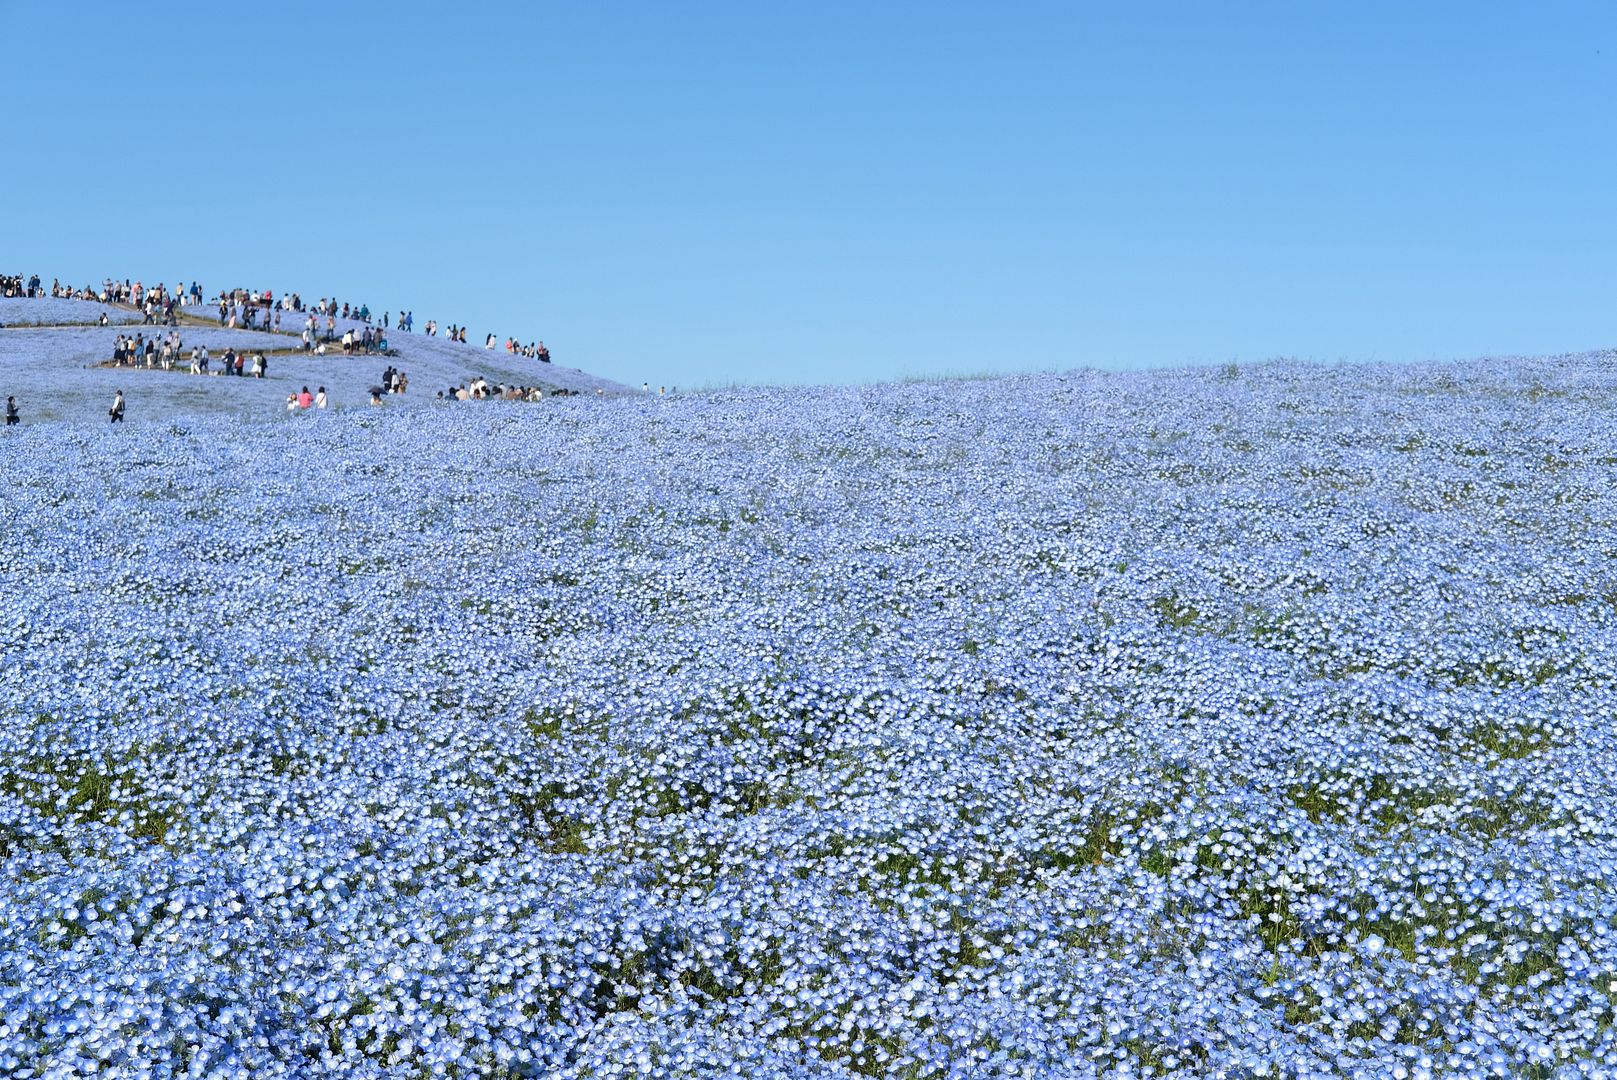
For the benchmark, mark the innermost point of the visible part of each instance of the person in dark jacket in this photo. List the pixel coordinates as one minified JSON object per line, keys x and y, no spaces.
{"x":11,"y":412}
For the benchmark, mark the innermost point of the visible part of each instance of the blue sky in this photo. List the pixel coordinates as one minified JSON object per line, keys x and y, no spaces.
{"x":702,"y":193}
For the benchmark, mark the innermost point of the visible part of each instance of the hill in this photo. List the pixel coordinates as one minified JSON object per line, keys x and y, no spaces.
{"x":50,"y":349}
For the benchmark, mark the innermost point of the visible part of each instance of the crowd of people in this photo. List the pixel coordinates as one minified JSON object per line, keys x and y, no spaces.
{"x":363,"y":342}
{"x":164,"y":353}
{"x":156,"y":304}
{"x":231,"y":362}
{"x":139,"y":349}
{"x":480,"y":389}
{"x":263,"y":310}
{"x":16,"y":286}
{"x":251,"y":309}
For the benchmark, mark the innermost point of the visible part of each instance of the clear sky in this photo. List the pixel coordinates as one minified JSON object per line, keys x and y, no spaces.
{"x":701,"y":193}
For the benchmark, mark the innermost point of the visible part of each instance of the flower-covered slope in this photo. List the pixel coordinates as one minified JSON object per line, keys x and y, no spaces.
{"x":56,"y":311}
{"x":49,"y":355}
{"x":1223,"y":724}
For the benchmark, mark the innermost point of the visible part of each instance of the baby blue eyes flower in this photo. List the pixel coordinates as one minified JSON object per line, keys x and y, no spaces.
{"x":1142,"y":725}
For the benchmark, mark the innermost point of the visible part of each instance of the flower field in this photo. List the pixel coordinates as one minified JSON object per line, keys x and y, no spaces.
{"x":1222,"y":723}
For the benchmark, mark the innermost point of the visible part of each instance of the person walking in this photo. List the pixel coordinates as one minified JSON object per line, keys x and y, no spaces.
{"x":320,"y":398}
{"x":11,"y":412}
{"x":117,"y":410}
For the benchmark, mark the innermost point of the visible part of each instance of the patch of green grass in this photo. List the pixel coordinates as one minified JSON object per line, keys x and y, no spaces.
{"x":1175,"y":612}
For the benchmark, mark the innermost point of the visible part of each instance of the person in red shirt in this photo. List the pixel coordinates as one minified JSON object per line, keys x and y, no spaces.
{"x":305,"y":399}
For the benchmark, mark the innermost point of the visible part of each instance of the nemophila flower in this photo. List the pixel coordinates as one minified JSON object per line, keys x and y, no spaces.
{"x":1084,"y":725}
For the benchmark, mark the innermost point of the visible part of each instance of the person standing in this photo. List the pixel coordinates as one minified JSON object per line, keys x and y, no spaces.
{"x":11,"y":412}
{"x":117,"y":410}
{"x":320,"y":398}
